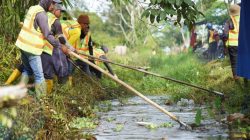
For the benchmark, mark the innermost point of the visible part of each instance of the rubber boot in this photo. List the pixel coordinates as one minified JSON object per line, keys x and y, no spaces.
{"x":70,"y":81}
{"x":50,"y":84}
{"x":41,"y":90}
{"x":24,"y":79}
{"x":63,"y":80}
{"x":14,"y":75}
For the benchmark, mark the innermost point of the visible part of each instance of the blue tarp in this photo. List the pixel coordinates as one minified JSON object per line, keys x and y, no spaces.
{"x":243,"y":63}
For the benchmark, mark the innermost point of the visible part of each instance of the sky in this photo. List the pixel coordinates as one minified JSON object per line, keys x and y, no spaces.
{"x":97,"y":6}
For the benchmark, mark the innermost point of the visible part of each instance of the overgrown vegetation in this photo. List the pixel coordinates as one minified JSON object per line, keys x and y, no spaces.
{"x":69,"y":111}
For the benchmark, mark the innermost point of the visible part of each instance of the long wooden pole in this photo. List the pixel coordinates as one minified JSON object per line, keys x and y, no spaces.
{"x":172,"y":116}
{"x":77,"y":67}
{"x":160,"y":76}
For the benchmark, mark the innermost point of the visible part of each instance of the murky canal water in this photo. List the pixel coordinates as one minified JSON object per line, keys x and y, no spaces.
{"x":121,"y":122}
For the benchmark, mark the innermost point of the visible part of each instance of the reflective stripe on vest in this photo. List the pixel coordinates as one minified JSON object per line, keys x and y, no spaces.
{"x":67,"y":25}
{"x":29,"y":39}
{"x":84,"y":43}
{"x":48,"y":48}
{"x":72,"y":31}
{"x":211,"y":37}
{"x":233,"y":34}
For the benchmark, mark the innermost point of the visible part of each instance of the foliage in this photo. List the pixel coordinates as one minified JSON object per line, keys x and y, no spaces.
{"x":118,"y":127}
{"x":165,"y":10}
{"x":214,"y":11}
{"x":153,"y":126}
{"x":198,"y":117}
{"x":64,"y":104}
{"x":169,"y":36}
{"x":82,"y":123}
{"x":167,"y":125}
{"x":12,"y":12}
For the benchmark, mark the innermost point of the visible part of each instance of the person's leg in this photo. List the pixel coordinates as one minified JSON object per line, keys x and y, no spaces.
{"x":35,"y":63}
{"x":27,"y":70}
{"x":85,"y":67}
{"x":233,"y":51}
{"x":70,"y":71}
{"x":60,"y":65}
{"x":48,"y":71}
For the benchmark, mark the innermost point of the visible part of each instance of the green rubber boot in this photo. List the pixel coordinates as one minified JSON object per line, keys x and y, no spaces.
{"x":41,"y":90}
{"x":24,"y":79}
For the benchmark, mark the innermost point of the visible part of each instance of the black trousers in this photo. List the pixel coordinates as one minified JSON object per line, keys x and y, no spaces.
{"x":233,"y":53}
{"x":55,"y":65}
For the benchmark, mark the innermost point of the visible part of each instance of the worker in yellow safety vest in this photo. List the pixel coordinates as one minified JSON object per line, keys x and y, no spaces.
{"x":231,"y":33}
{"x":72,"y":31}
{"x":31,"y":41}
{"x":53,"y":59}
{"x":211,"y":42}
{"x":52,"y":64}
{"x":88,"y":46}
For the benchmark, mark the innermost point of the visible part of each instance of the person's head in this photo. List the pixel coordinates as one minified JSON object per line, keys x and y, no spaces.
{"x":57,"y":10}
{"x":46,"y":4}
{"x":217,"y":38}
{"x":53,"y":4}
{"x":209,"y":26}
{"x":83,"y":20}
{"x":234,"y":10}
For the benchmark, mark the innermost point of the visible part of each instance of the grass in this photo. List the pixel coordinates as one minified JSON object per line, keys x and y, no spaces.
{"x":215,"y":75}
{"x":70,"y":105}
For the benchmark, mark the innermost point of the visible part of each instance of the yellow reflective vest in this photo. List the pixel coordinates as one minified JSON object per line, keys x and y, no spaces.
{"x":29,"y":39}
{"x":233,"y":34}
{"x":84,"y":48}
{"x":72,"y":31}
{"x":211,"y":37}
{"x":48,"y":48}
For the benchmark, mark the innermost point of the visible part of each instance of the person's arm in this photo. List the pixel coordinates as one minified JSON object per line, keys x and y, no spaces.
{"x":41,"y":21}
{"x":107,"y":64}
{"x":90,"y":46}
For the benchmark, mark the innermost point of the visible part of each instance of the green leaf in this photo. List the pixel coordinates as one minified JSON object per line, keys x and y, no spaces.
{"x":178,"y":2}
{"x":158,"y":18}
{"x":189,"y":2}
{"x":171,"y":1}
{"x":198,"y":117}
{"x":152,"y":18}
{"x":162,"y":15}
{"x":8,"y":19}
{"x":153,"y":1}
{"x":146,"y":13}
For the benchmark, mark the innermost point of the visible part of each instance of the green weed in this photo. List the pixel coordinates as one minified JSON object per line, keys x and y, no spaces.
{"x":198,"y":117}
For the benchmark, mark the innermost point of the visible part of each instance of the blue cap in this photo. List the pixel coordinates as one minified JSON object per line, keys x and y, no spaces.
{"x":209,"y":25}
{"x":58,"y":6}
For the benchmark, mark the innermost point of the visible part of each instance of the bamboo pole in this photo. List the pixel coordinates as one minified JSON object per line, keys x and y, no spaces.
{"x":172,"y":116}
{"x":160,"y":76}
{"x":83,"y":72}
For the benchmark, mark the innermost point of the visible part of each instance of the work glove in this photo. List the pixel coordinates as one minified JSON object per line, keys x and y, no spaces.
{"x":105,"y":49}
{"x":65,"y":49}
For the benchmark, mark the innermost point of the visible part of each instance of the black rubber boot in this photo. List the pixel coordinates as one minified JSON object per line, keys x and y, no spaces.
{"x":62,"y":80}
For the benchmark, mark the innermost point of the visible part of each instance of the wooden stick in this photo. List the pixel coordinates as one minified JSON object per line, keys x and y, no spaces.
{"x":172,"y":116}
{"x":160,"y":76}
